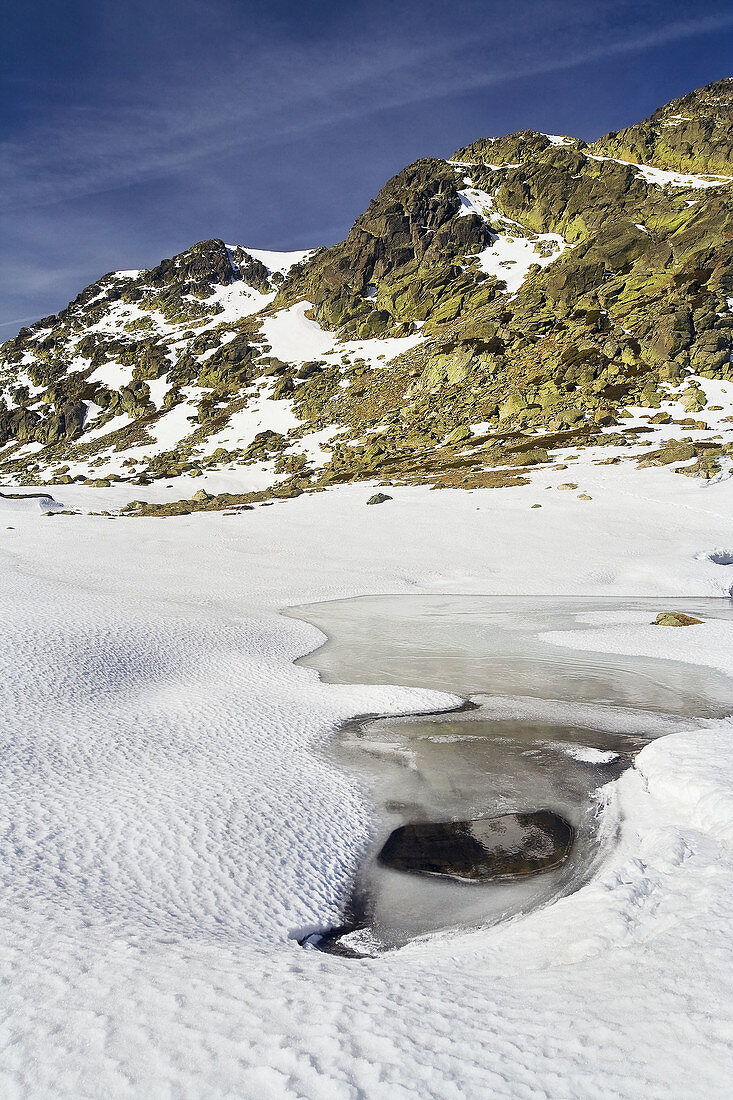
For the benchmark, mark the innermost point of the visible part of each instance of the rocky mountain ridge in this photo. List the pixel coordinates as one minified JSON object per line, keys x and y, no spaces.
{"x":530,"y":293}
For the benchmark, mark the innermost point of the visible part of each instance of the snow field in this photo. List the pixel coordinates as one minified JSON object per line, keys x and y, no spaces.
{"x":295,"y":338}
{"x":169,"y":819}
{"x":280,"y":262}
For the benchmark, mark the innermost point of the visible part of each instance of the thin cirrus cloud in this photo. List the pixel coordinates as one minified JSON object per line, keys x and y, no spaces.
{"x":84,"y":150}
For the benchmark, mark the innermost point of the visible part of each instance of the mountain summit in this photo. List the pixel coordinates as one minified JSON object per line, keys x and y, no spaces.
{"x":531,"y":292}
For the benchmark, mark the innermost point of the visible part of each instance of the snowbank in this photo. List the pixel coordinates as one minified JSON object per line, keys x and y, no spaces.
{"x":678,"y":772}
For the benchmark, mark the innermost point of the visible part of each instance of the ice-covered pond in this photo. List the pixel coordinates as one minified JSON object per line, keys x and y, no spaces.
{"x":545,"y":728}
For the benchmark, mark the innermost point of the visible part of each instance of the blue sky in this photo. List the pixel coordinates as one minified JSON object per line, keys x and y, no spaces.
{"x":132,"y":129}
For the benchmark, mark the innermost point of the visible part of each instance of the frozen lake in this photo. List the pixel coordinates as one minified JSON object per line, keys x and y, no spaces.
{"x":545,"y":728}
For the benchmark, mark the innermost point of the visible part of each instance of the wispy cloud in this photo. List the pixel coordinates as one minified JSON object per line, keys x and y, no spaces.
{"x":16,"y":321}
{"x":294,"y":89}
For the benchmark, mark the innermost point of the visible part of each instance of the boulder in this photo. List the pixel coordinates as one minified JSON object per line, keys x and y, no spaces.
{"x":673,"y":451}
{"x":458,"y":435}
{"x":693,"y":399}
{"x":508,"y":846}
{"x":675,"y":618}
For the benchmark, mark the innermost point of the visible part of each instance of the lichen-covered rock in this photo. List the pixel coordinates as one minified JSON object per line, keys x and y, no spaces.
{"x":706,"y":467}
{"x":693,"y":399}
{"x":399,"y":255}
{"x":672,"y":451}
{"x":692,"y":134}
{"x":676,"y":618}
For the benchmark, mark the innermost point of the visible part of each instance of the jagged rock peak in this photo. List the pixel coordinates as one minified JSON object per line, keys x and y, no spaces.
{"x":409,"y":236}
{"x":692,"y":133}
{"x":513,"y":149}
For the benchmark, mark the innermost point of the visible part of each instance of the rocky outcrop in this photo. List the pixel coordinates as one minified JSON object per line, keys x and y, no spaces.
{"x":692,"y":133}
{"x":621,"y":291}
{"x":399,"y":259}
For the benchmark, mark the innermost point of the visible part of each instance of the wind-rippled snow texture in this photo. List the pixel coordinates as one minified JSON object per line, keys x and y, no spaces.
{"x":168,"y":819}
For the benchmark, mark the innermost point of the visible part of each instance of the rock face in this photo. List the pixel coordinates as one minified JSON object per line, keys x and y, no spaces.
{"x":400,"y":260}
{"x":692,"y":133}
{"x":486,"y":849}
{"x":543,"y":286}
